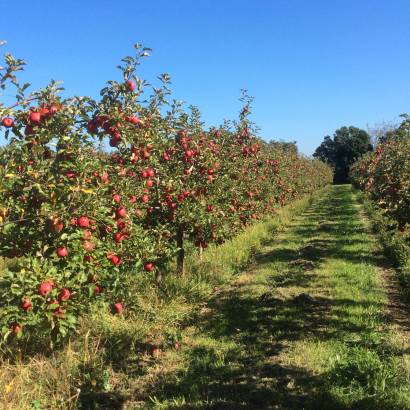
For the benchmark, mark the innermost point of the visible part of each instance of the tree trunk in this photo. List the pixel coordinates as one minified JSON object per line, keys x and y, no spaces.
{"x":158,"y":277}
{"x":158,"y":272}
{"x":181,"y":251}
{"x":201,"y":252}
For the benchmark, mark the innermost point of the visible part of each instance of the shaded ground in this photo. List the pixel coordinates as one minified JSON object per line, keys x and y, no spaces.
{"x":397,"y":306}
{"x":304,"y":328}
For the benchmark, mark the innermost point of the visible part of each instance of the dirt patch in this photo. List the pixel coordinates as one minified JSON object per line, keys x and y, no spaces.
{"x":305,"y":264}
{"x":397,"y":307}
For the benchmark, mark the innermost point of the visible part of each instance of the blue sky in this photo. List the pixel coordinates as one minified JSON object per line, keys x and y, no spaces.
{"x":312,"y":66}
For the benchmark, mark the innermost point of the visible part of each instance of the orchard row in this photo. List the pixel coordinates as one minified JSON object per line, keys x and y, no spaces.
{"x":385,"y":175}
{"x":94,"y":194}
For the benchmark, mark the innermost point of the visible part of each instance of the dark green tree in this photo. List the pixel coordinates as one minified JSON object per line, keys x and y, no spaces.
{"x":347,"y":145}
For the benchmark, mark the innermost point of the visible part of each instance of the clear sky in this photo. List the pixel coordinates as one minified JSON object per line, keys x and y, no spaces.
{"x":312,"y":65}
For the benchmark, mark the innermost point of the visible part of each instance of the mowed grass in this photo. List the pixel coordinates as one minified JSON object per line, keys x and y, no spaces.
{"x":305,"y":327}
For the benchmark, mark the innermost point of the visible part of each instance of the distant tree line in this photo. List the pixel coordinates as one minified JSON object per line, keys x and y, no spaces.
{"x":342,"y":150}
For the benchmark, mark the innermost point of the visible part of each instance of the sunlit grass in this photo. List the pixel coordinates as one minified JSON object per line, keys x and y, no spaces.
{"x":304,"y":328}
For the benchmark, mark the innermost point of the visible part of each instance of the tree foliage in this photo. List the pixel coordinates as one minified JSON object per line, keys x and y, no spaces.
{"x":347,"y":145}
{"x":385,"y":174}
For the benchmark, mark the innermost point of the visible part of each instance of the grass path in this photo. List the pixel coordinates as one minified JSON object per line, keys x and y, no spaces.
{"x":306,"y":327}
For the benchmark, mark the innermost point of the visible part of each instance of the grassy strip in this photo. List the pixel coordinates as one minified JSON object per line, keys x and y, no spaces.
{"x":395,"y":243}
{"x":305,"y":327}
{"x":111,"y":354}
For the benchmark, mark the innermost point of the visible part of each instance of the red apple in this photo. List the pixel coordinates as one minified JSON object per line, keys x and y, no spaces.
{"x":116,"y":198}
{"x":8,"y":122}
{"x":130,"y":85}
{"x":118,"y":308}
{"x":105,"y":178}
{"x":121,"y":225}
{"x":83,"y":222}
{"x":45,"y":287}
{"x":88,"y":246}
{"x":121,"y":212}
{"x":44,"y":112}
{"x":70,"y":174}
{"x":26,"y":304}
{"x":35,"y":117}
{"x":114,"y":141}
{"x":54,"y":109}
{"x":62,"y":252}
{"x":64,"y":295}
{"x":115,"y":260}
{"x":59,"y":312}
{"x":92,"y":127}
{"x":87,"y":234}
{"x":16,"y":328}
{"x":118,"y":237}
{"x":97,"y":289}
{"x":56,"y":225}
{"x":149,"y":266}
{"x":134,"y":120}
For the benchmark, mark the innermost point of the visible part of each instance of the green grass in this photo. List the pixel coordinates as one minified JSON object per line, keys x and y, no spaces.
{"x":305,"y":327}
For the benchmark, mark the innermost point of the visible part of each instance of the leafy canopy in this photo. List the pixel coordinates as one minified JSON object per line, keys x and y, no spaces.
{"x":347,"y":145}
